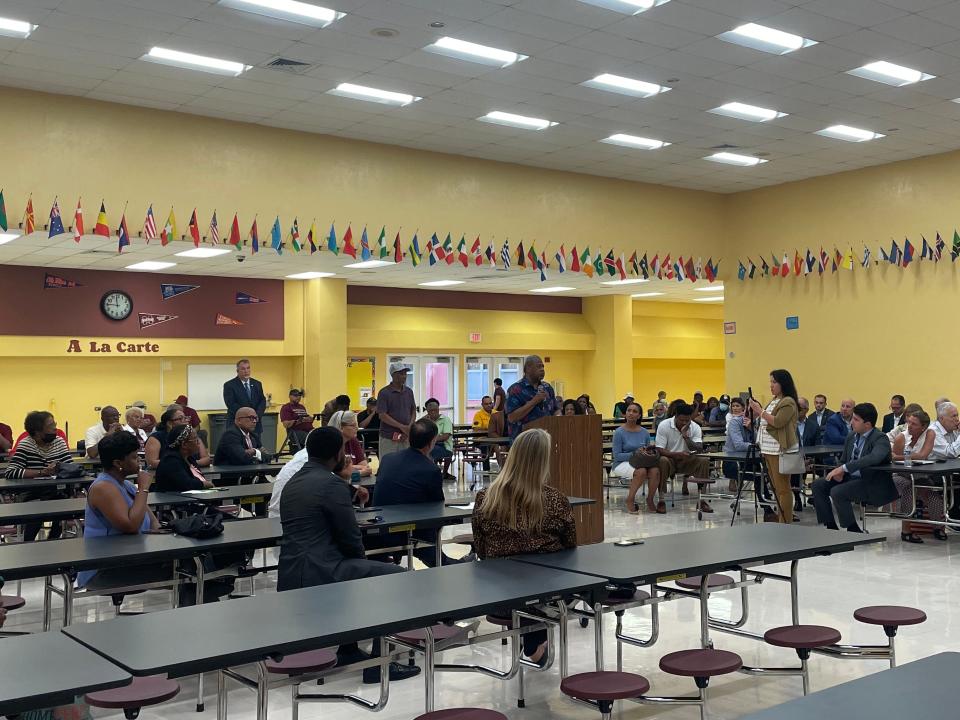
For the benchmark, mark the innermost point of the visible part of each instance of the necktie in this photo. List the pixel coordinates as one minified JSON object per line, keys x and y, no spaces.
{"x":857,"y":447}
{"x":246,"y":386}
{"x":246,"y":439}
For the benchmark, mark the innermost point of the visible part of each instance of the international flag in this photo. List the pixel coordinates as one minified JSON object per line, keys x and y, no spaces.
{"x":751,"y":268}
{"x":448,"y":250}
{"x":691,"y":270}
{"x":954,"y":252}
{"x":348,"y":247}
{"x":865,"y":262}
{"x":414,"y":251}
{"x":634,"y":264}
{"x":926,"y":252}
{"x":254,"y":238}
{"x":698,"y":267}
{"x":434,"y":250}
{"x":312,"y":236}
{"x":102,"y":227}
{"x":521,"y":258}
{"x":574,"y":260}
{"x":797,"y":263}
{"x":56,"y":222}
{"x":3,"y":213}
{"x":169,"y":231}
{"x":884,"y":256}
{"x":741,"y":271}
{"x":611,"y":262}
{"x":810,"y":263}
{"x":78,"y":222}
{"x":235,"y":232}
{"x":938,"y":248}
{"x":848,"y":261}
{"x":123,"y":235}
{"x":194,"y":229}
{"x":475,"y":252}
{"x":559,"y":256}
{"x":276,"y":236}
{"x":586,"y":266}
{"x":895,"y":255}
{"x":667,"y":268}
{"x":598,"y":263}
{"x":765,"y":269}
{"x":540,"y":266}
{"x":295,"y":236}
{"x":397,"y":250}
{"x":907,"y":252}
{"x":785,"y":266}
{"x":532,"y":256}
{"x":837,"y":260}
{"x":332,"y":241}
{"x":620,"y":268}
{"x":382,"y":249}
{"x":214,"y":229}
{"x":678,"y":269}
{"x":505,"y":254}
{"x":29,"y":222}
{"x":822,"y":261}
{"x":491,"y":255}
{"x":645,"y":267}
{"x":364,"y":245}
{"x":149,"y":223}
{"x":462,"y":255}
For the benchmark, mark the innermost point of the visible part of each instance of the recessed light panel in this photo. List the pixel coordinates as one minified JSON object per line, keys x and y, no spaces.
{"x":441,"y":283}
{"x":166,"y":56}
{"x":890,"y":74}
{"x":646,"y":295}
{"x":554,"y":289}
{"x":742,"y":111}
{"x":634,"y":281}
{"x":291,"y":10}
{"x":463,"y":50}
{"x":520,"y":121}
{"x":362,"y":92}
{"x":204,"y":252}
{"x":150,"y":265}
{"x":718,"y":298}
{"x":369,"y":264}
{"x":633,"y":141}
{"x":728,"y":158}
{"x":16,"y":28}
{"x":625,"y":85}
{"x":767,"y":39}
{"x":310,"y":275}
{"x":630,"y":7}
{"x":850,"y":134}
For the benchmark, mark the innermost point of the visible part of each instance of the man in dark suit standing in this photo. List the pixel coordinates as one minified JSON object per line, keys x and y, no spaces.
{"x":244,"y":391}
{"x":321,"y":541}
{"x":821,"y":414}
{"x":895,"y":416}
{"x":866,"y":447}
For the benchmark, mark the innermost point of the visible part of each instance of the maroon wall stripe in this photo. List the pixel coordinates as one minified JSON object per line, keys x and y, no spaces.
{"x":458,"y":300}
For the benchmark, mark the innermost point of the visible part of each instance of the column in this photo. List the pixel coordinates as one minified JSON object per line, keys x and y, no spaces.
{"x":608,"y":369}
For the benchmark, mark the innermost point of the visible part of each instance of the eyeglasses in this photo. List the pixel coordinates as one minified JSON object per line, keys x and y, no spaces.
{"x":246,"y":417}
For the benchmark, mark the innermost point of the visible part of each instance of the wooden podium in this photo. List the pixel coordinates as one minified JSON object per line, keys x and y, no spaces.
{"x":576,"y":468}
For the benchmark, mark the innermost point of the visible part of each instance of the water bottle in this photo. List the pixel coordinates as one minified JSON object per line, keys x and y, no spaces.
{"x":355,"y":477}
{"x":907,"y":452}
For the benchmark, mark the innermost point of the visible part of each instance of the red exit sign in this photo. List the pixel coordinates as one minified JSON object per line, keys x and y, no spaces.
{"x":475,"y":337}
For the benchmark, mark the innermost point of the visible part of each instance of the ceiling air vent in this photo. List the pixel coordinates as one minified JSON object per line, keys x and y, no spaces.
{"x":297,"y":67}
{"x":725,"y":146}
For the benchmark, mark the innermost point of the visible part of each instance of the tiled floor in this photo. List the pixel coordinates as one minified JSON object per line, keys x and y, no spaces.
{"x":923,"y":576}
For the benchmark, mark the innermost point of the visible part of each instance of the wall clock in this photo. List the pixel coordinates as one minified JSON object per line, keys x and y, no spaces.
{"x":116,"y":305}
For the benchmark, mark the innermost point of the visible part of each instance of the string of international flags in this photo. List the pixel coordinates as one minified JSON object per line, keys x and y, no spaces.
{"x":823,"y":262}
{"x":433,"y":251}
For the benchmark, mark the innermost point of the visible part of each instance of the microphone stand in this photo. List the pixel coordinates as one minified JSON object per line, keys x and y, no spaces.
{"x":751,"y":460}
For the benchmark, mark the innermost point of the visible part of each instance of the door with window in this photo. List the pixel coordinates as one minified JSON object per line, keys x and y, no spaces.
{"x":480,"y":374}
{"x":432,"y":376}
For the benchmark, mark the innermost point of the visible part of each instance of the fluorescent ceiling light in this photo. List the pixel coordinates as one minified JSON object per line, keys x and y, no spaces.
{"x":165,"y":56}
{"x":632,"y":141}
{"x":734,"y":159}
{"x":16,"y":28}
{"x":890,"y":74}
{"x":717,"y":298}
{"x":441,"y":283}
{"x":204,"y":252}
{"x":369,"y":264}
{"x":710,"y":288}
{"x":625,"y":85}
{"x":521,"y":121}
{"x":768,"y":39}
{"x":309,"y":275}
{"x":554,"y":289}
{"x":150,"y":265}
{"x":633,"y":281}
{"x":384,"y":97}
{"x":292,"y":10}
{"x":747,"y":112}
{"x":10,"y":236}
{"x":646,"y":295}
{"x":850,"y":134}
{"x":630,"y":7}
{"x":463,"y":50}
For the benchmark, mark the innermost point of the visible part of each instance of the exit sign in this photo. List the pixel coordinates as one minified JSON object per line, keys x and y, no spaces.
{"x":475,"y":337}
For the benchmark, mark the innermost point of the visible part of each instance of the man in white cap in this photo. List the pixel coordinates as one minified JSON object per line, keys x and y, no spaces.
{"x":396,"y":407}
{"x":620,"y":409}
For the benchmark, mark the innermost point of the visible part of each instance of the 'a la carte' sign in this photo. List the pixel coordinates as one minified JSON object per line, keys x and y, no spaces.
{"x":121,"y":346}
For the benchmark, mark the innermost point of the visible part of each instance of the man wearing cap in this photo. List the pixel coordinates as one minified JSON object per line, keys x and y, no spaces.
{"x":718,"y":415}
{"x":296,"y":419}
{"x":396,"y":407}
{"x":149,"y":423}
{"x":620,"y":409}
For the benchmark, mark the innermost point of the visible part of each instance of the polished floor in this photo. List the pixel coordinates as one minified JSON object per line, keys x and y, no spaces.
{"x":924,"y":576}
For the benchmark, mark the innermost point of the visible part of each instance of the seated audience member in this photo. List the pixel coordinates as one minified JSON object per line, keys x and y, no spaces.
{"x":22,"y":436}
{"x":865,"y":448}
{"x":571,"y":407}
{"x":39,"y":454}
{"x":712,"y":404}
{"x":520,"y":514}
{"x":672,"y":407}
{"x":153,"y":449}
{"x":356,"y":461}
{"x":659,"y":411}
{"x":149,"y":423}
{"x":109,"y":423}
{"x":321,"y":541}
{"x":896,"y":415}
{"x":369,"y":419}
{"x":919,"y":438}
{"x":808,"y":431}
{"x":178,"y":471}
{"x":718,"y":414}
{"x":481,"y":418}
{"x":946,"y":445}
{"x":339,"y":403}
{"x":410,"y":476}
{"x":620,"y":408}
{"x":739,"y":438}
{"x":443,"y":449}
{"x":678,"y":439}
{"x":628,"y":439}
{"x":296,"y":419}
{"x":908,"y":409}
{"x":699,"y":408}
{"x":6,"y":438}
{"x":291,"y":468}
{"x":193,"y":417}
{"x":134,"y":420}
{"x":938,"y":402}
{"x":822,"y":414}
{"x":661,"y":398}
{"x":586,"y":405}
{"x":240,"y":444}
{"x":839,"y":424}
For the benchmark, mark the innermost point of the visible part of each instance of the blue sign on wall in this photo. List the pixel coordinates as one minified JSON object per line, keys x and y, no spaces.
{"x":793,"y":322}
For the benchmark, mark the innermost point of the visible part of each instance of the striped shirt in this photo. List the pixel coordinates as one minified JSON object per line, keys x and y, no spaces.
{"x":30,"y":456}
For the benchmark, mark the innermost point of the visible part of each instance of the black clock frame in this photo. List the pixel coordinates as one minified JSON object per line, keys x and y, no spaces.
{"x":107,"y":294}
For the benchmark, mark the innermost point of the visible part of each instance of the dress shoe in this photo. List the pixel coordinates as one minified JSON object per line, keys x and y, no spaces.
{"x":371,"y":675}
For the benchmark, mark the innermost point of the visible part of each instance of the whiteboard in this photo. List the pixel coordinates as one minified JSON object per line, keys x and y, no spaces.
{"x":205,"y":385}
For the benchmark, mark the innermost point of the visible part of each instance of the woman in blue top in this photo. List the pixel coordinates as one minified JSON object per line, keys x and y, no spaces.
{"x":628,"y":438}
{"x":739,"y":439}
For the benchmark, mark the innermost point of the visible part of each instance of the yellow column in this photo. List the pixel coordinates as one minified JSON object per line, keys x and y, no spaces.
{"x":324,"y":340}
{"x":608,"y":369}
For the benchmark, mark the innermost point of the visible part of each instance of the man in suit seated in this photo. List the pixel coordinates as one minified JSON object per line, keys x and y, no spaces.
{"x":838,"y":425}
{"x":321,"y":541}
{"x":866,"y":447}
{"x":411,"y":476}
{"x":896,"y":416}
{"x":240,"y":445}
{"x":244,"y":391}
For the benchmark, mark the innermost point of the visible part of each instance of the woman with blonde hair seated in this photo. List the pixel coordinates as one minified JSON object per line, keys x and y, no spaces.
{"x":520,"y":514}
{"x":356,"y":460}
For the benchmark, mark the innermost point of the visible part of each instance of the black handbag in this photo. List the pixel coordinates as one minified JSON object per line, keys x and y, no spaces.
{"x":69,"y":471}
{"x":645,"y":457}
{"x":202,"y":526}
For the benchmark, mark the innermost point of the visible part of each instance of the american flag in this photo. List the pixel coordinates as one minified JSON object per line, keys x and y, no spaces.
{"x":150,"y":225}
{"x":214,"y":229}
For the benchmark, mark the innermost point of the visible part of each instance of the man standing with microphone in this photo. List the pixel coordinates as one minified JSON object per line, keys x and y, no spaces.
{"x":530,"y":398}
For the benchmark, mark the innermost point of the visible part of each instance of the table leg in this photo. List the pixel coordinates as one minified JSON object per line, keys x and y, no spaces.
{"x":705,"y":640}
{"x":410,"y":550}
{"x":794,"y":592}
{"x":598,"y":634}
{"x":562,"y":607}
{"x":221,"y":695}
{"x":263,"y":691}
{"x":198,"y":594}
{"x":428,"y":663}
{"x":67,"y":600}
{"x":46,"y":602}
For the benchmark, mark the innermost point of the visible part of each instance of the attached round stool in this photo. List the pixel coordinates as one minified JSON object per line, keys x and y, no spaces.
{"x":803,"y":639}
{"x":11,"y":602}
{"x":462,"y":714}
{"x":142,"y":692}
{"x":440,"y":632}
{"x":303,"y":663}
{"x":701,"y":665}
{"x":891,"y":617}
{"x":714,"y":581}
{"x":503,"y":622}
{"x":604,"y":687}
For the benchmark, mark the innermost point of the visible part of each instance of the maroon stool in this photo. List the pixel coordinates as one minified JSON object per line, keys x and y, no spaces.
{"x":12,"y":602}
{"x":142,"y":692}
{"x":440,"y":632}
{"x":603,"y":688}
{"x":714,"y":581}
{"x":891,"y":617}
{"x":462,"y":714}
{"x":701,"y":665}
{"x":803,"y":639}
{"x":303,"y":663}
{"x":503,"y":622}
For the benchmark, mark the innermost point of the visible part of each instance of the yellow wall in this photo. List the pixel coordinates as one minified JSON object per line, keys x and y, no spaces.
{"x":863,"y":333}
{"x":680,"y":378}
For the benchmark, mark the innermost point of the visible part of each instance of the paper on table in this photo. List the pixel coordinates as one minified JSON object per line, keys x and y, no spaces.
{"x":205,"y":491}
{"x":462,"y":507}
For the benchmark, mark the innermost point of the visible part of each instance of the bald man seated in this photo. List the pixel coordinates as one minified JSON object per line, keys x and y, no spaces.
{"x":240,"y":444}
{"x":109,"y":423}
{"x":838,"y":425}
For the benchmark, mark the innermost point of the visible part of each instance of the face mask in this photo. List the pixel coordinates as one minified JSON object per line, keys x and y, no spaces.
{"x":724,"y":407}
{"x":49,"y":437}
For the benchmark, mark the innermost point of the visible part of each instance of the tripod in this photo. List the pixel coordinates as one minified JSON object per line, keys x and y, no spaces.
{"x":760,"y":474}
